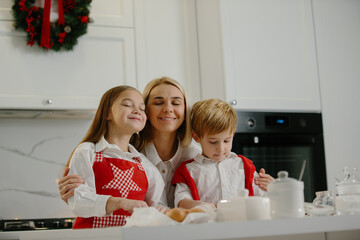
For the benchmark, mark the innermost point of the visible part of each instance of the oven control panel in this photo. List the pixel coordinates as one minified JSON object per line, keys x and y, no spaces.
{"x":277,"y":121}
{"x":270,"y":122}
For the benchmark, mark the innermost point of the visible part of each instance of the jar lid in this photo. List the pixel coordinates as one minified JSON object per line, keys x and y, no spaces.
{"x":283,"y":176}
{"x":284,"y":180}
{"x":243,"y":193}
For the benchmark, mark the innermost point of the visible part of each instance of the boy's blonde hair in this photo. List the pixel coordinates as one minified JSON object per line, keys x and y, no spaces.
{"x":212,"y":116}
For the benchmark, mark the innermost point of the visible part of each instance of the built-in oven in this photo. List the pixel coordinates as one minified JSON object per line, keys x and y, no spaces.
{"x":279,"y":141}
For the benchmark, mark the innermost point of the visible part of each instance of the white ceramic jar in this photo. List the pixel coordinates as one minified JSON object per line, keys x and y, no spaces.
{"x":286,"y":197}
{"x":243,"y":208}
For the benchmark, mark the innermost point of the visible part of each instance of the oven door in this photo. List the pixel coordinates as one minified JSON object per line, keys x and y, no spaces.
{"x":300,"y":155}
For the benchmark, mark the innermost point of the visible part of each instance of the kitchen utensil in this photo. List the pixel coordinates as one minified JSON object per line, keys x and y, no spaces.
{"x":302,"y":170}
{"x":286,"y":197}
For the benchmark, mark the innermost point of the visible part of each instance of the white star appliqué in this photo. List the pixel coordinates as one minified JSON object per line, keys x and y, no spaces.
{"x":122,"y":181}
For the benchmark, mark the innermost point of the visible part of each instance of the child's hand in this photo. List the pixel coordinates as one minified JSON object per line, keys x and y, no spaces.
{"x":130,"y":204}
{"x":263,"y":180}
{"x":116,"y":203}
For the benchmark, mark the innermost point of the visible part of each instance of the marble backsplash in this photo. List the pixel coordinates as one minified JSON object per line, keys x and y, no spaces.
{"x":32,"y":154}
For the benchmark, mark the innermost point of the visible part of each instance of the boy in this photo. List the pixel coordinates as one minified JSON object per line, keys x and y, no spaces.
{"x":217,"y":173}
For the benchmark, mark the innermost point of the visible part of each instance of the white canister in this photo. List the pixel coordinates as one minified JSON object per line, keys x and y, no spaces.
{"x":231,"y":210}
{"x":286,"y":197}
{"x":257,"y":208}
{"x":243,"y":208}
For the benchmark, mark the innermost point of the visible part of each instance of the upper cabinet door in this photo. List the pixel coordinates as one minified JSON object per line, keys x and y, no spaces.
{"x":5,"y":9}
{"x":33,"y":78}
{"x":117,"y":13}
{"x":268,"y":54}
{"x":166,"y":43}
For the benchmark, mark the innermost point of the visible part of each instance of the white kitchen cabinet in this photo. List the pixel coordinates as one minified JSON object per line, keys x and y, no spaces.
{"x":32,"y":78}
{"x":5,"y":9}
{"x":129,"y":42}
{"x":166,"y":43}
{"x":116,"y":13}
{"x":259,"y":54}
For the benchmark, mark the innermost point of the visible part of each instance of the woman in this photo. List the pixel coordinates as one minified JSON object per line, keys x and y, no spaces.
{"x":166,"y":139}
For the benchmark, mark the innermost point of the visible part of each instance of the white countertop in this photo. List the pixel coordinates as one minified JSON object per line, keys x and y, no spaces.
{"x":223,"y":230}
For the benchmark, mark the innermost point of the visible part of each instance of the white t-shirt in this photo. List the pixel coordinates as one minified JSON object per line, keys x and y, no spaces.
{"x":215,"y":181}
{"x":168,"y":168}
{"x":85,"y":202}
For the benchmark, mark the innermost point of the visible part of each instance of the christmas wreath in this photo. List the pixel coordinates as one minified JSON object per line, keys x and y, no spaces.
{"x":61,"y":34}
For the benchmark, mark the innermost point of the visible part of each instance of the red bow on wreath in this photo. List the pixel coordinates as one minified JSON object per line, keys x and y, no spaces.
{"x":45,"y":30}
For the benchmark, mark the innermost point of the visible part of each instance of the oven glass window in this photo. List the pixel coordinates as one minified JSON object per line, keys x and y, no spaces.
{"x":289,"y":158}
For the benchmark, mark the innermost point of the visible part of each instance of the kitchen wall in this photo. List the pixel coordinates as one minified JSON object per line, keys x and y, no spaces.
{"x":32,"y":153}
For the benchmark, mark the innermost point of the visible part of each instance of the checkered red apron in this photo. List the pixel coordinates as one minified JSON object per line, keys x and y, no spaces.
{"x":118,"y":178}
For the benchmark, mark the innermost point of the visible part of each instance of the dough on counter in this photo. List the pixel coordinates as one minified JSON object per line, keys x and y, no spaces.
{"x":179,"y":214}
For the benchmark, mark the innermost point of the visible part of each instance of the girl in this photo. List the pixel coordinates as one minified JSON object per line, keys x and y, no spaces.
{"x":117,"y":178}
{"x":166,"y":139}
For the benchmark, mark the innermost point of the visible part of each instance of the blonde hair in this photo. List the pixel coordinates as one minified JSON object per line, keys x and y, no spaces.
{"x":99,"y":125}
{"x":212,"y":116}
{"x":183,"y":132}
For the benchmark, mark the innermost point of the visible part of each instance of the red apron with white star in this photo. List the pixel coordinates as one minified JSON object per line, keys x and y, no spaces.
{"x":118,"y":178}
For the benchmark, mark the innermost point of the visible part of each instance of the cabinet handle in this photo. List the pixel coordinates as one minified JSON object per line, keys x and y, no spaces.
{"x":49,"y":101}
{"x":233,"y":102}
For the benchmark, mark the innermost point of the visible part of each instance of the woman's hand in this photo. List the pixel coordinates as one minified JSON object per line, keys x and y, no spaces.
{"x":263,"y":180}
{"x":67,"y":183}
{"x":116,"y":203}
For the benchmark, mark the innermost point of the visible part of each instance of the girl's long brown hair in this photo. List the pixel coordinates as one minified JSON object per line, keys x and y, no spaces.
{"x":99,"y":125}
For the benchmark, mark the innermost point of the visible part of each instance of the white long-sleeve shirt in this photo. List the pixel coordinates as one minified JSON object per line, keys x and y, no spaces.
{"x":86,"y":202}
{"x":215,"y":181}
{"x":167,"y":168}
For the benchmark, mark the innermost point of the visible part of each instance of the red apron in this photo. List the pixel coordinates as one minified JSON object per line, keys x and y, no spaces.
{"x":118,"y":178}
{"x":182,"y":175}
